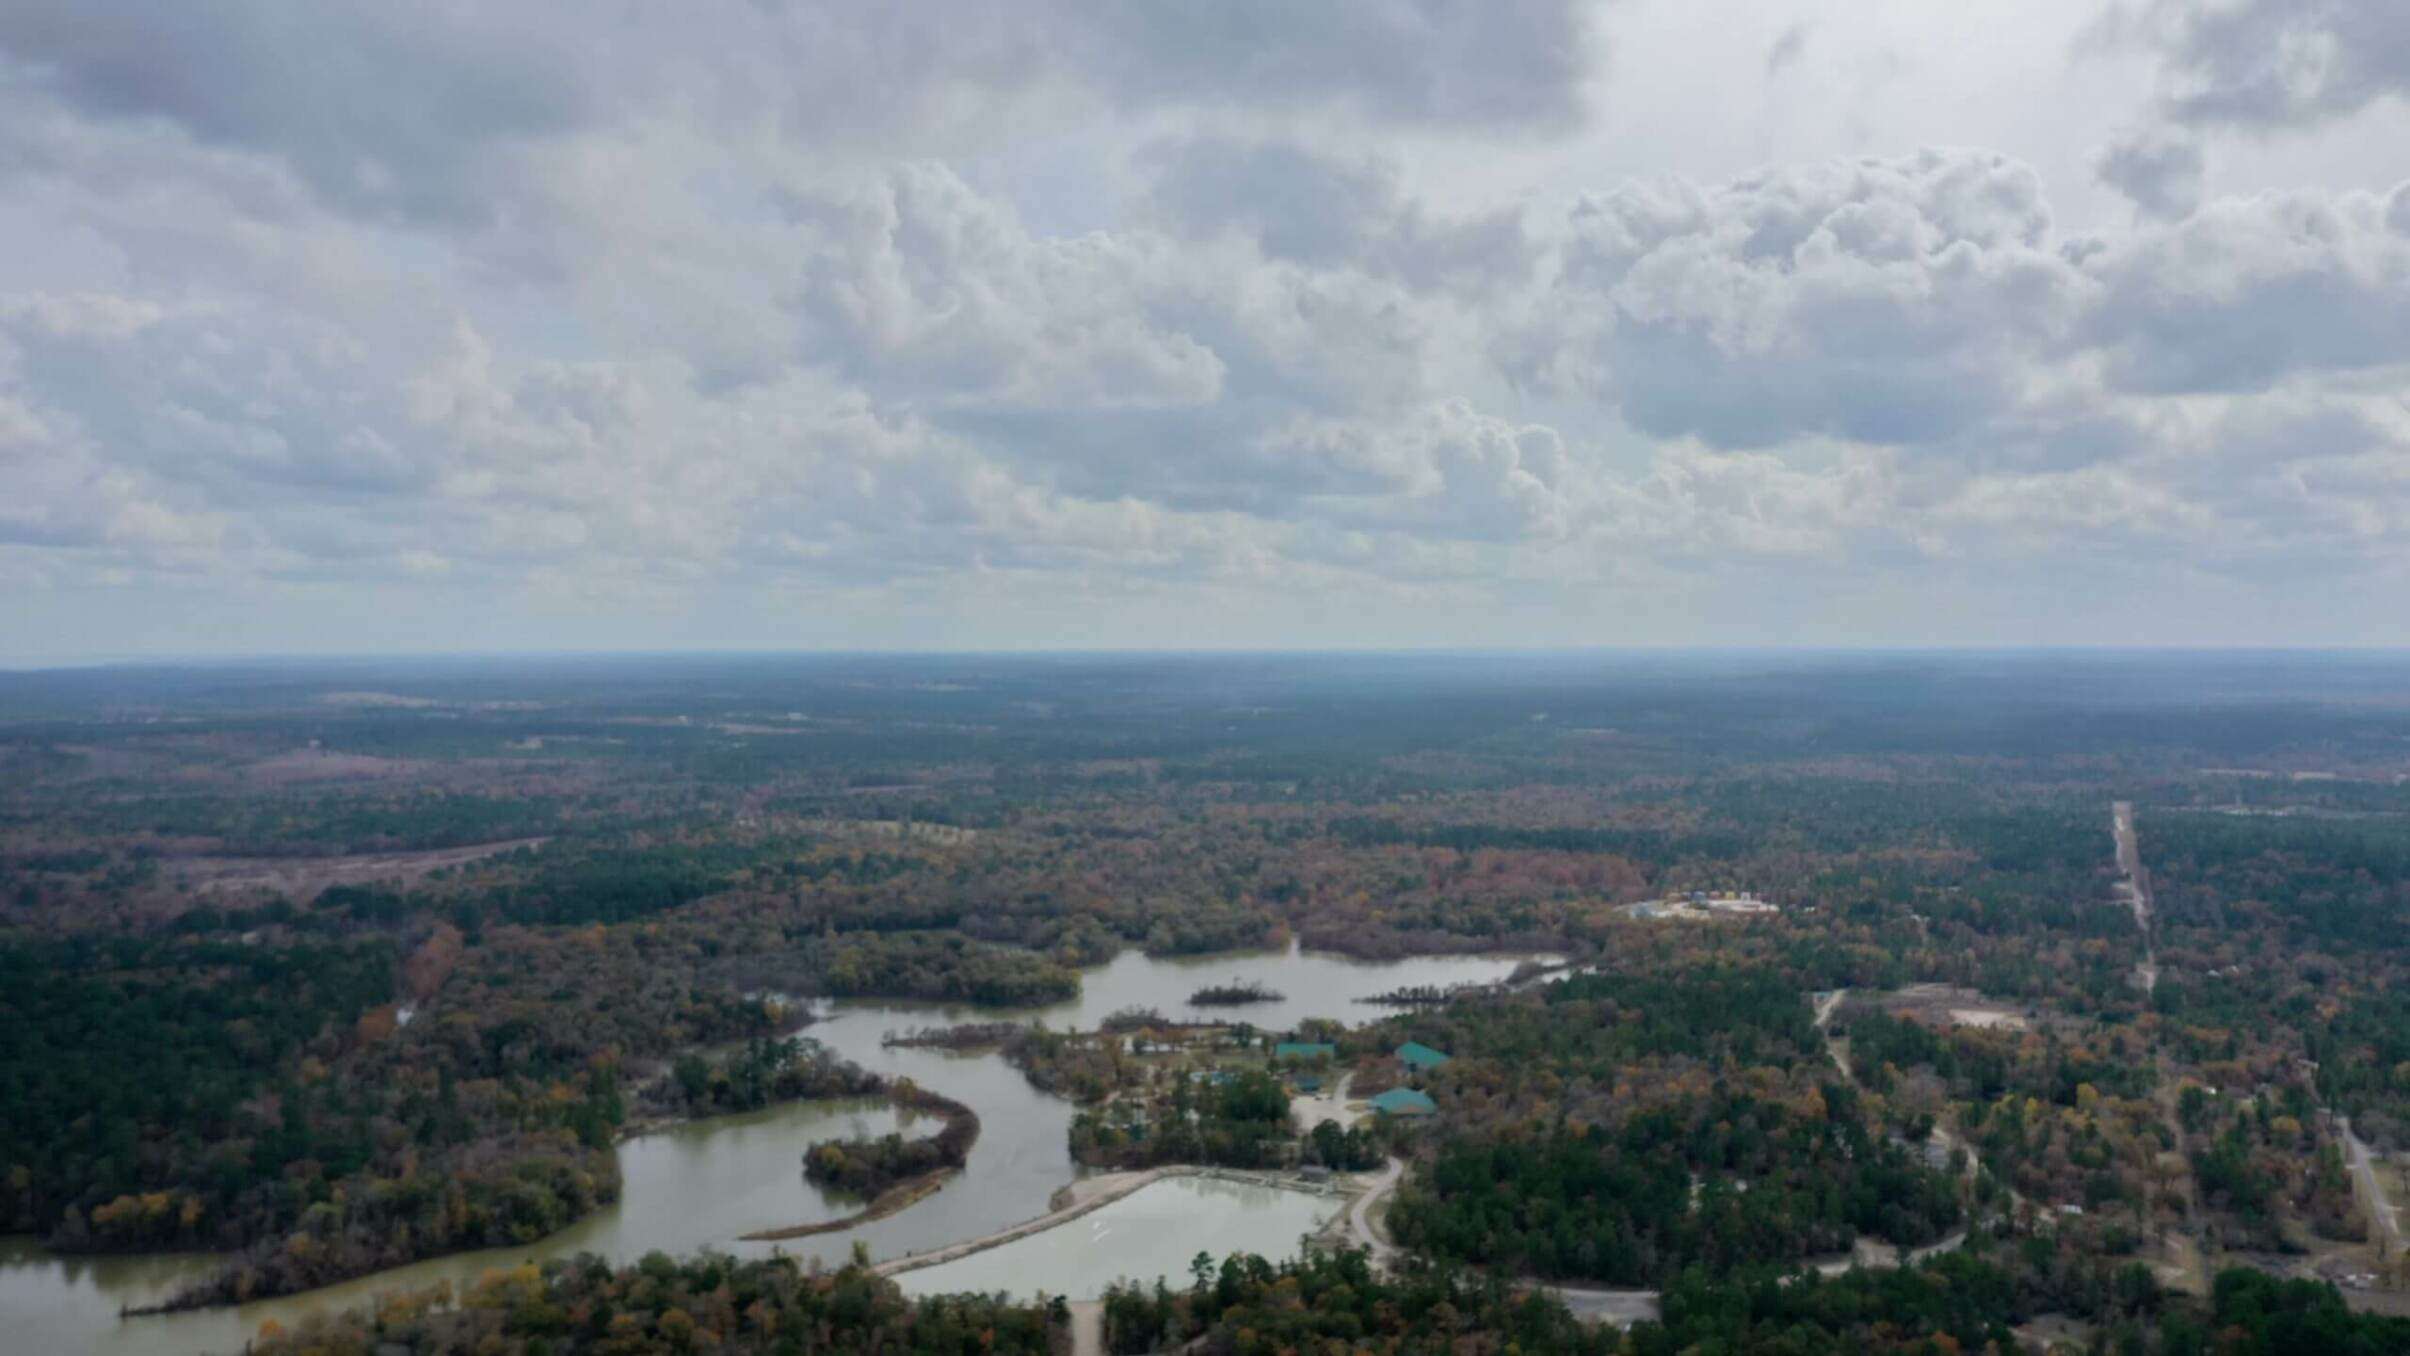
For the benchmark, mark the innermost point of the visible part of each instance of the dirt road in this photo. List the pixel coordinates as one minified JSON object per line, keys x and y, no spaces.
{"x":2385,"y":1213}
{"x":1359,"y":1213}
{"x":1825,"y":1008}
{"x":1943,"y":1135}
{"x":1619,"y":1307}
{"x":2136,"y":887}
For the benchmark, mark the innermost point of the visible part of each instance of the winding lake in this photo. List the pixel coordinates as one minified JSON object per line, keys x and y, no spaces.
{"x":703,"y":1183}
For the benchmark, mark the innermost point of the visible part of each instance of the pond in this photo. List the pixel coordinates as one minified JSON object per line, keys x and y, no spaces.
{"x":704,"y":1183}
{"x":1154,"y":1232}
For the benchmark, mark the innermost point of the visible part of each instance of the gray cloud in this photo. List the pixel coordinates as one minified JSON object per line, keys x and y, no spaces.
{"x":1302,"y":207}
{"x":2158,"y":170}
{"x":379,"y":107}
{"x":2275,"y":62}
{"x":1515,"y":62}
{"x":1297,"y":205}
{"x":2249,"y":292}
{"x":1787,"y":49}
{"x":419,"y":110}
{"x":759,"y":303}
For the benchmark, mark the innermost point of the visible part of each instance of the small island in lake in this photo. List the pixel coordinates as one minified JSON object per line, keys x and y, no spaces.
{"x":1233,"y":994}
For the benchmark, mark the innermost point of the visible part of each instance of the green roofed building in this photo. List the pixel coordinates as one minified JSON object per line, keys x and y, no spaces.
{"x":1303,"y":1051}
{"x":1420,"y":1057}
{"x":1404,"y":1102}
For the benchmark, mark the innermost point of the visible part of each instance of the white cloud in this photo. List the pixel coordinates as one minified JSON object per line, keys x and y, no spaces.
{"x":749,"y":306}
{"x":1878,"y":301}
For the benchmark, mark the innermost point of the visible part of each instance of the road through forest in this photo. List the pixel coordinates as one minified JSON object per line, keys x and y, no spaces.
{"x":2137,"y":888}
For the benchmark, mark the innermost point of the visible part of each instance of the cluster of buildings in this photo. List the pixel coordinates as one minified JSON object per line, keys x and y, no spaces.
{"x":1303,"y":1058}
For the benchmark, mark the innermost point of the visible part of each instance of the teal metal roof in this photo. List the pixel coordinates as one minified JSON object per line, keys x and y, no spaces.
{"x":1404,"y":1102}
{"x":1420,"y":1056}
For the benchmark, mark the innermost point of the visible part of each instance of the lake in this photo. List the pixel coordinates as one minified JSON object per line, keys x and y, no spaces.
{"x":703,"y":1183}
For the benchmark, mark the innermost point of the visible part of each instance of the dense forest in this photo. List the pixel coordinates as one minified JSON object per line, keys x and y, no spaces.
{"x":1246,"y":1306}
{"x":666,"y":1305}
{"x":1717,"y":1184}
{"x":349,"y":983}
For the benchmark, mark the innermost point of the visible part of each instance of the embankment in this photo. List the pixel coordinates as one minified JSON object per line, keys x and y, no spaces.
{"x":1072,"y":1206}
{"x":948,"y":1149}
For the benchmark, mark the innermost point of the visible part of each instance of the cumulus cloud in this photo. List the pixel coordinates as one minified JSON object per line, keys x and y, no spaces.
{"x":924,"y":282}
{"x":1880,"y":301}
{"x":2249,"y":292}
{"x":759,"y":300}
{"x":1447,"y":470}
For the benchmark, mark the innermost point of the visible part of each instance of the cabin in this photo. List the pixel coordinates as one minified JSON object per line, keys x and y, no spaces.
{"x":1404,"y":1102}
{"x":1419,"y":1057}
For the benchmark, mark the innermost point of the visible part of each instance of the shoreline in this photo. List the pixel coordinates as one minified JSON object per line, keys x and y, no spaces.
{"x":894,"y":1200}
{"x":961,"y":1122}
{"x":808,"y":1015}
{"x":636,"y":1129}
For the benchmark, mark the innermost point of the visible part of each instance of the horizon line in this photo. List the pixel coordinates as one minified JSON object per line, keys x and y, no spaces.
{"x":297,"y":658}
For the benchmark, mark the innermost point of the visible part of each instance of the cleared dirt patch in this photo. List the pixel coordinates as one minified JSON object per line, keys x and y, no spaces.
{"x":302,"y":879}
{"x":324,"y":765}
{"x":1988,"y":1017}
{"x":1948,"y":1005}
{"x":375,"y":700}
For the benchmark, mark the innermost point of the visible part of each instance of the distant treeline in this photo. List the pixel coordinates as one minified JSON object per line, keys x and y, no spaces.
{"x":1639,"y":844}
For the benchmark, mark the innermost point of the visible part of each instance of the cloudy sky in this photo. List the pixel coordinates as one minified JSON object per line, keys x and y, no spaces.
{"x":340,"y":326}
